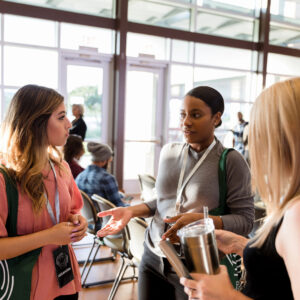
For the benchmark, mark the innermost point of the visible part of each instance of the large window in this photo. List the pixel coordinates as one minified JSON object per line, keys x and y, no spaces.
{"x":32,"y":31}
{"x":34,"y":52}
{"x":25,"y":65}
{"x":285,"y":23}
{"x":234,"y":19}
{"x":104,"y":8}
{"x":76,"y":36}
{"x":160,"y":13}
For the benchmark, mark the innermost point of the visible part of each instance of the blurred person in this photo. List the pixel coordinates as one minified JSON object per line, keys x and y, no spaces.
{"x":78,"y":124}
{"x":73,"y":151}
{"x":246,"y":144}
{"x":238,"y":131}
{"x":95,"y":179}
{"x":272,"y":257}
{"x":187,"y":180}
{"x":39,"y":200}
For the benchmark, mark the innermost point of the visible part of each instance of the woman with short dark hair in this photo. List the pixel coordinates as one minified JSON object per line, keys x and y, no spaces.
{"x":272,"y":257}
{"x":188,"y":180}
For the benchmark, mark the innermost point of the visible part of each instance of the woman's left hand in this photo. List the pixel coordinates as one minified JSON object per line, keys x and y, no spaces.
{"x":79,"y":231}
{"x":180,"y":221}
{"x":210,"y":287}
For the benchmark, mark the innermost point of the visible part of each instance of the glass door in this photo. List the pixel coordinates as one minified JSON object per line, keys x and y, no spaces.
{"x":85,"y":81}
{"x":143,"y":123}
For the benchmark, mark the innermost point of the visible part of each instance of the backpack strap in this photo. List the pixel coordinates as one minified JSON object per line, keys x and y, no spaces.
{"x":222,"y":208}
{"x":12,"y":203}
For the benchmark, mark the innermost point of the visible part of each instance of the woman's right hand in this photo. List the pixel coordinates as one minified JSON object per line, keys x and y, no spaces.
{"x":61,"y":233}
{"x":229,"y":242}
{"x":120,"y":216}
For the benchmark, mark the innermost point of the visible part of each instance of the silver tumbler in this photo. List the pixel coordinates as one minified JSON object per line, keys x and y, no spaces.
{"x":200,"y":247}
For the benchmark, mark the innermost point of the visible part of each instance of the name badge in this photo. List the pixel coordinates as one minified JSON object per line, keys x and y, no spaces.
{"x":63,"y":268}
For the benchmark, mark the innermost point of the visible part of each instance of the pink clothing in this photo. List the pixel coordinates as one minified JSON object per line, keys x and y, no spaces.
{"x":44,"y":284}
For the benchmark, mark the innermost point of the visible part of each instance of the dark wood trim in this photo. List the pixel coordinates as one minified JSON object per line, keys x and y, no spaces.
{"x":55,"y":15}
{"x":191,"y":36}
{"x":120,"y":89}
{"x":263,"y":38}
{"x":284,"y":50}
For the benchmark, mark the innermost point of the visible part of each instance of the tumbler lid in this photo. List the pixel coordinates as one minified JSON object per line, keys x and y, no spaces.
{"x":197,"y":228}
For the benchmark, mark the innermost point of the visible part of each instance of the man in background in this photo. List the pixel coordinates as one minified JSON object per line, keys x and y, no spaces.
{"x":238,"y":132}
{"x":95,"y":179}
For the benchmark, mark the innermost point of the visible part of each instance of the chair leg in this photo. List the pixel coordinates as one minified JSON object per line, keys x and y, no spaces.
{"x":118,"y":279}
{"x":88,"y":259}
{"x":91,"y":263}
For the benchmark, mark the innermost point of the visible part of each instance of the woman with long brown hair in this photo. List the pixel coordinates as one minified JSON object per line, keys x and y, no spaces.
{"x":39,"y":199}
{"x":272,"y":257}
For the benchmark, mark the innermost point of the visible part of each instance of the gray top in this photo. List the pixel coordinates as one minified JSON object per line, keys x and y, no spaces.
{"x":201,"y":190}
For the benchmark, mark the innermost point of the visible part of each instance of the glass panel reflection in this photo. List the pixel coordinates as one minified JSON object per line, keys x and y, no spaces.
{"x":141,"y":105}
{"x":164,"y":14}
{"x":181,"y":80}
{"x":182,"y":51}
{"x":140,"y":44}
{"x":223,"y":56}
{"x":284,"y":36}
{"x":285,"y":11}
{"x":140,"y":123}
{"x":226,"y":26}
{"x":139,"y":159}
{"x":30,"y":31}
{"x":102,"y":8}
{"x":73,"y":36}
{"x":246,"y":7}
{"x":283,"y":64}
{"x":271,"y":79}
{"x":175,"y":133}
{"x":27,"y":65}
{"x":233,"y":85}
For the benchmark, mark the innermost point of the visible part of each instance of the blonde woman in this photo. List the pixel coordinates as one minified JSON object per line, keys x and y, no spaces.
{"x":78,"y":124}
{"x":43,"y":202}
{"x":272,"y":258}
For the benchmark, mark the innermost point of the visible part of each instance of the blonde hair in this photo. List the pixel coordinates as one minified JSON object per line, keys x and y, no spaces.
{"x":80,"y":108}
{"x":24,"y":143}
{"x":274,"y":145}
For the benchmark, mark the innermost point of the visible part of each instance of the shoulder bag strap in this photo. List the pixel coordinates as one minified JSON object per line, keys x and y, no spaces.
{"x":222,"y":175}
{"x":12,"y":203}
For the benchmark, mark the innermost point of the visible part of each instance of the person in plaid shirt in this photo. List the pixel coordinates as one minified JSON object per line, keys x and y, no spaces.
{"x":95,"y":179}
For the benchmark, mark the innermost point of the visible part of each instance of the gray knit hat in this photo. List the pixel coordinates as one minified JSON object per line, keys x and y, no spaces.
{"x":100,"y":152}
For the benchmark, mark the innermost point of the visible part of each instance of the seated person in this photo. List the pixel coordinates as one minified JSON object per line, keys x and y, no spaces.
{"x":73,"y":150}
{"x":95,"y":179}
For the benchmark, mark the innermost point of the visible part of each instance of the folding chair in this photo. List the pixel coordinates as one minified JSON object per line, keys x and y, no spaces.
{"x":132,"y":251}
{"x":147,"y":186}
